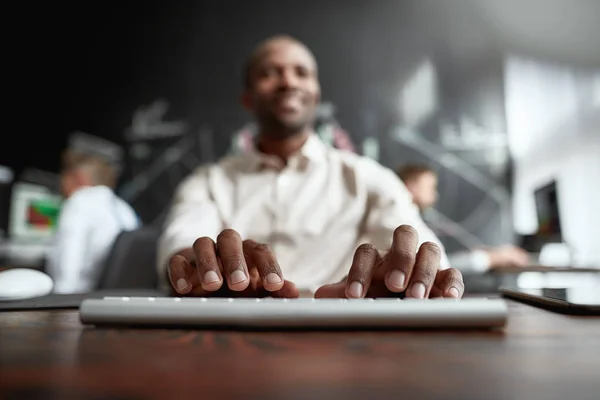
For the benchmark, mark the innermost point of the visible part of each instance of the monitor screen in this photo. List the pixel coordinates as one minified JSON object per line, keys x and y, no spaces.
{"x":548,"y":213}
{"x":6,"y":177}
{"x":34,"y":212}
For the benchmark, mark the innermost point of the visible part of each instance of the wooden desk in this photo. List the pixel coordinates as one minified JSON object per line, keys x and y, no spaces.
{"x":540,"y":355}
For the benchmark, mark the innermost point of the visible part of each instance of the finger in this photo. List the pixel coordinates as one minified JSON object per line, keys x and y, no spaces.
{"x":287,"y":291}
{"x":231,"y":253}
{"x":366,"y":259}
{"x":425,"y":270}
{"x":338,"y":291}
{"x":263,"y":259}
{"x":182,"y":274}
{"x":401,"y":258}
{"x":333,"y":291}
{"x":448,"y":283}
{"x":207,"y":265}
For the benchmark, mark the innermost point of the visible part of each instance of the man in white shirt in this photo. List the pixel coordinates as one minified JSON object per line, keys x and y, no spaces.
{"x":302,"y":206}
{"x":91,"y":218}
{"x":421,"y":181}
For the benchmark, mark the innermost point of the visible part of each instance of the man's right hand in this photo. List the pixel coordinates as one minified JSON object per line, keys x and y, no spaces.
{"x":229,"y":268}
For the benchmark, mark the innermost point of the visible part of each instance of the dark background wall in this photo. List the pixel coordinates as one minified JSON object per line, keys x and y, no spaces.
{"x":88,"y":66}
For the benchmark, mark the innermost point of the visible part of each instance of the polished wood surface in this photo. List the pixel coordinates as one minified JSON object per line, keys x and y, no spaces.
{"x":539,"y":355}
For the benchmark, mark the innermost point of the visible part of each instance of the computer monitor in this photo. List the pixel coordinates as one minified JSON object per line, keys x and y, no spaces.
{"x":6,"y":177}
{"x":548,"y":214}
{"x":33,"y":213}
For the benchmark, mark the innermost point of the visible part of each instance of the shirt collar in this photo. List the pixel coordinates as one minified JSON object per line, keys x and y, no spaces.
{"x":312,"y":151}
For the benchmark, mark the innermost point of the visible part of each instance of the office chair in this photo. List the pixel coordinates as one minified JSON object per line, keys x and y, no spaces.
{"x":131,"y":264}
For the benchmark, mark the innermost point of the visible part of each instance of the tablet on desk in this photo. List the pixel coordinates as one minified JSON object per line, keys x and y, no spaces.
{"x":577,"y":301}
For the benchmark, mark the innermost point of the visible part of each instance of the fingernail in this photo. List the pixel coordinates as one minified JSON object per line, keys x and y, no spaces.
{"x":355,"y":290}
{"x":237,"y":276}
{"x":418,"y":291}
{"x":182,"y":285}
{"x":273,"y":279}
{"x":396,"y":279}
{"x":454,"y":292}
{"x":211,"y":277}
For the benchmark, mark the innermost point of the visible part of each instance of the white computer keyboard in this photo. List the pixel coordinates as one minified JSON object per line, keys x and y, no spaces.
{"x":294,"y":313}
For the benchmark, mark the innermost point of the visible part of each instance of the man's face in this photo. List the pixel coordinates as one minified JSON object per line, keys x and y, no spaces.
{"x":284,"y":89}
{"x":71,"y":180}
{"x":68,"y":183}
{"x":424,"y":190}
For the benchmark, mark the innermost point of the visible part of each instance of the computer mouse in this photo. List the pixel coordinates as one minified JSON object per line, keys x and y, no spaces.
{"x":24,"y":283}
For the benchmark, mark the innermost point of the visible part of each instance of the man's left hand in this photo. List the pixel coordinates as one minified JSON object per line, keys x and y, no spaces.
{"x":405,"y":269}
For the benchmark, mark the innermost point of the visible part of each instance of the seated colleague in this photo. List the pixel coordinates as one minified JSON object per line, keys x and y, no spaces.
{"x":421,"y":182}
{"x":301,"y":206}
{"x":91,"y":218}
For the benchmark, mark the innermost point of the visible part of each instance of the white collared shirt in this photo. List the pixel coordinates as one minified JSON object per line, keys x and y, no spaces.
{"x":88,"y":224}
{"x":313,"y":212}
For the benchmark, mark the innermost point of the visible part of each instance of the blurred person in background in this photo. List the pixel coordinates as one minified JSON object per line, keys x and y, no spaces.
{"x":91,"y":218}
{"x":422,"y":183}
{"x":291,"y":213}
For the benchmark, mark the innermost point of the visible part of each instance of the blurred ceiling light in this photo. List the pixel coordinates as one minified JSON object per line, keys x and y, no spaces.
{"x":419,"y":95}
{"x":538,"y":98}
{"x":596,"y":92}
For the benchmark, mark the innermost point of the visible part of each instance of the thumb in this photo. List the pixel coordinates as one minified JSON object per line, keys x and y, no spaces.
{"x":332,"y":291}
{"x":288,"y":291}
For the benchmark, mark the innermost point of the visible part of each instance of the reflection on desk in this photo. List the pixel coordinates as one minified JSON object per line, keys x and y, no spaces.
{"x":530,"y":277}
